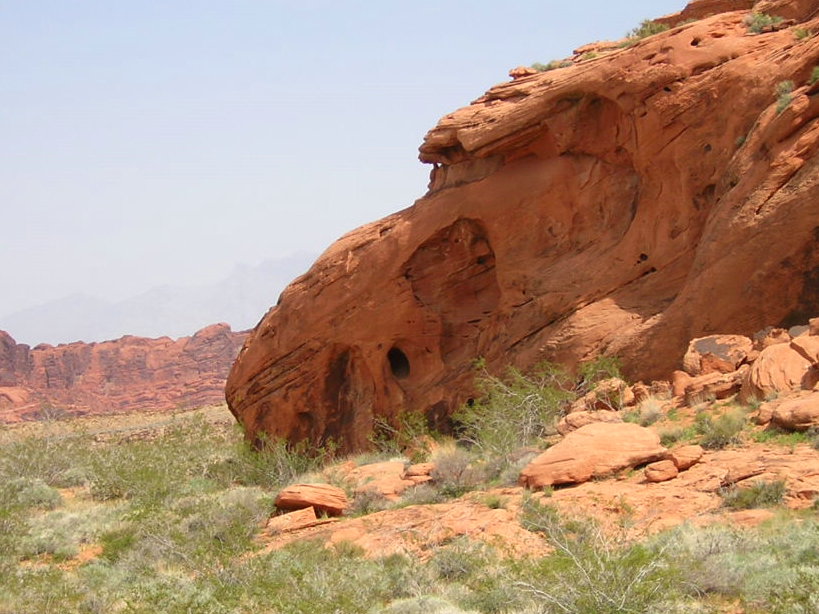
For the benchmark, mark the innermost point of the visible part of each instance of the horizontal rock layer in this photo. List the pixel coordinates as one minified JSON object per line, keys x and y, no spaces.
{"x":621,"y":205}
{"x":129,"y":373}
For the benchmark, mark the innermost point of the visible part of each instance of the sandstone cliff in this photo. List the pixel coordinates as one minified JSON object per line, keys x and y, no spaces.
{"x":126,"y":374}
{"x":621,"y":205}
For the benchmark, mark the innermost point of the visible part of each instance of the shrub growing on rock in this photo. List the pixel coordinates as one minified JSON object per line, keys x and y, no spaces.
{"x":647,"y":28}
{"x":757,"y":22}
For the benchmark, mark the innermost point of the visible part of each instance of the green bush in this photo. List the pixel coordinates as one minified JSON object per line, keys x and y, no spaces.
{"x":456,"y":472}
{"x":410,"y":435}
{"x":591,"y":573}
{"x":29,"y":493}
{"x":595,"y":371}
{"x":814,"y":75}
{"x":757,"y":22}
{"x":720,"y":432}
{"x":647,"y":28}
{"x":784,"y":95}
{"x":802,"y":33}
{"x":758,"y":494}
{"x":515,"y":411}
{"x":540,"y":67}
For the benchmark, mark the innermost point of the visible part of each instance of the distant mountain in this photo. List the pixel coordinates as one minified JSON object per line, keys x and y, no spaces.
{"x":241,"y":299}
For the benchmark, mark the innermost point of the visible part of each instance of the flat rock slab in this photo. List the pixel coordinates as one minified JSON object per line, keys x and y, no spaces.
{"x":323,"y":497}
{"x":595,"y":450}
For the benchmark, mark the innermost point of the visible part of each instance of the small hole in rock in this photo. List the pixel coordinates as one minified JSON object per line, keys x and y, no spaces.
{"x":643,"y":257}
{"x":695,"y":42}
{"x":399,"y":363}
{"x":708,"y":148}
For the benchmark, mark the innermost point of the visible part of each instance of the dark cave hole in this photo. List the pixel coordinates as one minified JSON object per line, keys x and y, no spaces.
{"x":399,"y":363}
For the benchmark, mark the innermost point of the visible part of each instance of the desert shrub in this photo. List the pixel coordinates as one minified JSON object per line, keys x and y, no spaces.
{"x":646,"y":414}
{"x":423,"y":494}
{"x":784,"y":95}
{"x":57,"y":460}
{"x":515,"y":411}
{"x":758,"y":494}
{"x":801,"y":33}
{"x":669,"y":437}
{"x":62,"y":533}
{"x":421,"y":605}
{"x":460,"y":559}
{"x":647,"y":28}
{"x":593,"y":573}
{"x":757,"y":22}
{"x":770,"y":569}
{"x":368,"y":502}
{"x":720,"y":432}
{"x":594,"y":371}
{"x":456,"y":472}
{"x":540,"y":67}
{"x":409,"y":434}
{"x":30,"y":493}
{"x":814,"y":75}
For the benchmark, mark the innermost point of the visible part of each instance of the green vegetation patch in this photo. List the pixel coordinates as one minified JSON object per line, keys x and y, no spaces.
{"x":758,"y":494}
{"x":758,"y":22}
{"x":647,"y":28}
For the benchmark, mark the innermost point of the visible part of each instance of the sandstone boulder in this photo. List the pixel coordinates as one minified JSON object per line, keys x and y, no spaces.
{"x":661,"y":471}
{"x":770,"y":336}
{"x":680,"y":380}
{"x":419,"y":470}
{"x":686,"y":457}
{"x":386,"y":479}
{"x":780,"y":368}
{"x":594,"y":450}
{"x":324,"y":498}
{"x":293,"y":521}
{"x":808,"y":347}
{"x":716,"y":354}
{"x":798,"y":414}
{"x":572,"y":422}
{"x":715,"y":385}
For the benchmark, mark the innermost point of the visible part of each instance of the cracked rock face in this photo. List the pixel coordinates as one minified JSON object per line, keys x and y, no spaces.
{"x":622,"y":205}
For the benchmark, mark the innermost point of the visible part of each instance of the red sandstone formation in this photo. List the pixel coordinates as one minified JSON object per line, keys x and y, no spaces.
{"x":622,"y":205}
{"x":126,"y":374}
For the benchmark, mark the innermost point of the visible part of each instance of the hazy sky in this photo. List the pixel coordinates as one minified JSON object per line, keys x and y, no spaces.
{"x":146,"y":143}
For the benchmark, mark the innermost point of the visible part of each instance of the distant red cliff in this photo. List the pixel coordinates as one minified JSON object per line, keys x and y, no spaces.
{"x":130,"y":373}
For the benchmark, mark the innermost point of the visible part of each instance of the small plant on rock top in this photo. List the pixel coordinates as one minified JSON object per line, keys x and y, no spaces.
{"x":814,"y":75}
{"x":540,"y":67}
{"x":647,"y":28}
{"x":784,"y":95}
{"x":757,"y":22}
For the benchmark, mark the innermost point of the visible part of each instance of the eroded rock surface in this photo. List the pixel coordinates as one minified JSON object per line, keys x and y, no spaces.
{"x":623,"y":205}
{"x":126,"y":374}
